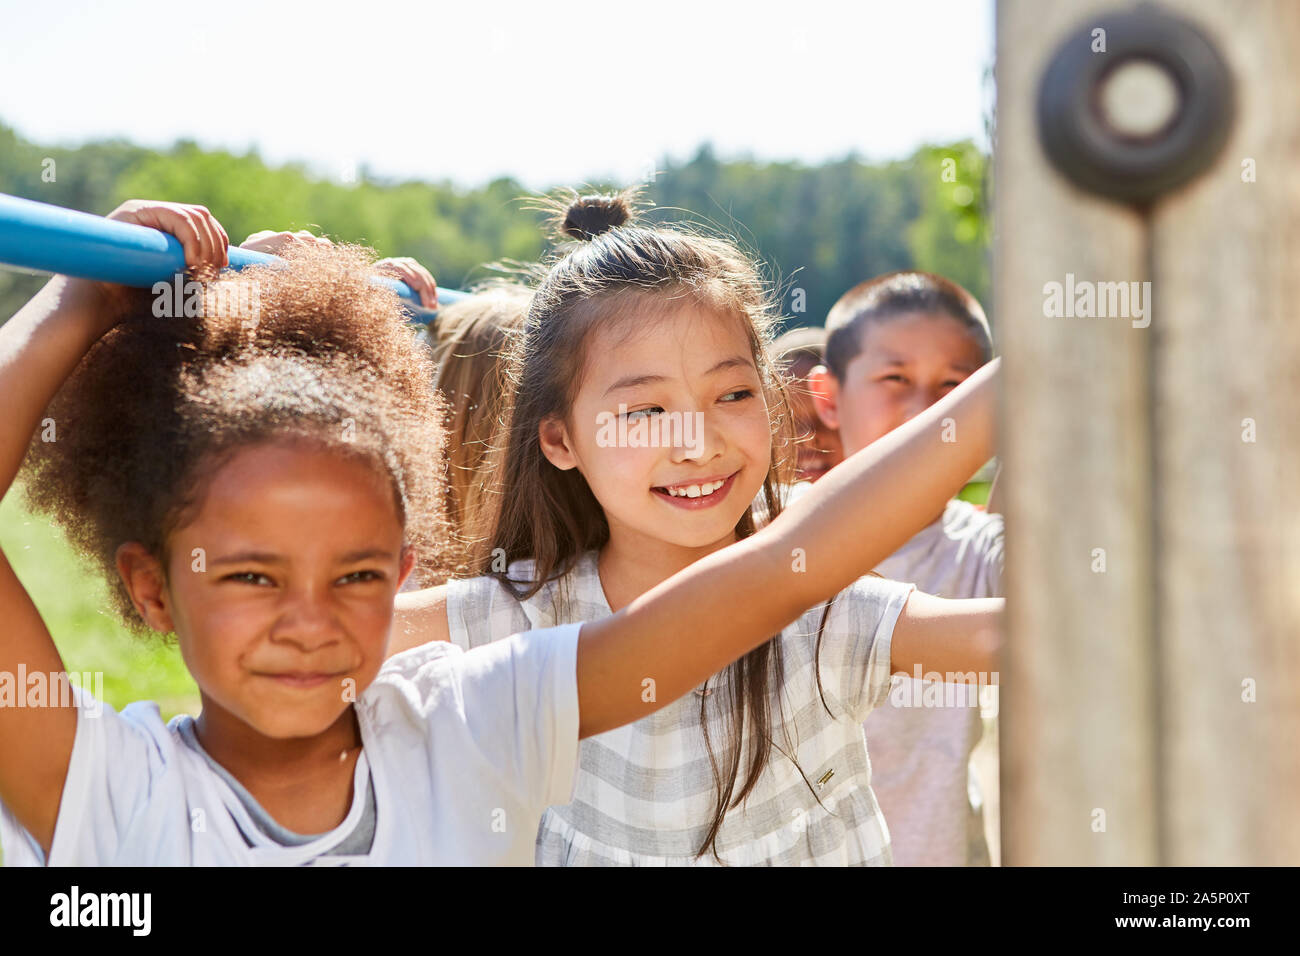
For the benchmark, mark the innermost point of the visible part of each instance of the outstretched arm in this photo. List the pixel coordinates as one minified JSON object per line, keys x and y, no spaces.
{"x":420,"y":617}
{"x":936,"y":635}
{"x":691,"y":626}
{"x":39,"y":348}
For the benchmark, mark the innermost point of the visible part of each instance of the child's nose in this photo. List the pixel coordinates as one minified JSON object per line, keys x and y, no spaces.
{"x":696,"y":438}
{"x":919,"y":400}
{"x":306,"y":621}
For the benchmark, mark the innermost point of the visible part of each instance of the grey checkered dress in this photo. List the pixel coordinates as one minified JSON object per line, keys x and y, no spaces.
{"x":645,"y":792}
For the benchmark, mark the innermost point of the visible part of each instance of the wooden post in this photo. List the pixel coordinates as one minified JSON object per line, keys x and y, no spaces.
{"x":1076,"y":699}
{"x":1154,"y":548}
{"x":1227,"y":415}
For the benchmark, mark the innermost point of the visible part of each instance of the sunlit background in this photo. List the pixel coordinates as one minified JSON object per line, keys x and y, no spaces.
{"x":543,"y":93}
{"x":835,"y":141}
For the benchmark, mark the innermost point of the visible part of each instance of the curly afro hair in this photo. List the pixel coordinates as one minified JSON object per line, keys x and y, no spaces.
{"x":309,"y":350}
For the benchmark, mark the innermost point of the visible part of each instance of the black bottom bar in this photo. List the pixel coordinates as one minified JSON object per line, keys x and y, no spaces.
{"x":828,"y":907}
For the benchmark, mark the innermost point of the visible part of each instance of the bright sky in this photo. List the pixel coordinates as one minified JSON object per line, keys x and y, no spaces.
{"x":548,"y":91}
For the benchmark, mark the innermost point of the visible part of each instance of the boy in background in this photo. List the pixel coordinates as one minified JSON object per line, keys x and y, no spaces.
{"x":897,"y":344}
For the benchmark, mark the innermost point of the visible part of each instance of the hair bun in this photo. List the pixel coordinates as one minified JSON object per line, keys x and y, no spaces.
{"x":589,"y":216}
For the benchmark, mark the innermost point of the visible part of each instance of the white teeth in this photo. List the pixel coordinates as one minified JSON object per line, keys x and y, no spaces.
{"x":696,"y":491}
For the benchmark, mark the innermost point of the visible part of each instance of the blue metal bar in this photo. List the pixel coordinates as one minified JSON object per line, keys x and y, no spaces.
{"x":36,"y":235}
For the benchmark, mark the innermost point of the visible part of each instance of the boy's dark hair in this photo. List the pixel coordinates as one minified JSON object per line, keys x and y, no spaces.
{"x":158,"y":404}
{"x":889,"y":296}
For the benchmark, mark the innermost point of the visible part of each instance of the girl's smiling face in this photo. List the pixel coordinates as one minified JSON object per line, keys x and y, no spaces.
{"x":280,"y":589}
{"x":695,"y":441}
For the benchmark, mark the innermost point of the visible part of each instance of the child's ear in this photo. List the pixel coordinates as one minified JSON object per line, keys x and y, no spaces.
{"x":555,"y":444}
{"x":146,"y":582}
{"x":406,"y":567}
{"x":825,"y":391}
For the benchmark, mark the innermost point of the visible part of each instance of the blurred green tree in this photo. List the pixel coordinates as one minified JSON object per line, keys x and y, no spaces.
{"x":818,"y":229}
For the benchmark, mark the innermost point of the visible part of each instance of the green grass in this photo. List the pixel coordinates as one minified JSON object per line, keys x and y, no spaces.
{"x":977,"y":492}
{"x":74,"y":604}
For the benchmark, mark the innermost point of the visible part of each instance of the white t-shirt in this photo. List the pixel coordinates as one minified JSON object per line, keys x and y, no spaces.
{"x":920,"y":754}
{"x":466,"y":750}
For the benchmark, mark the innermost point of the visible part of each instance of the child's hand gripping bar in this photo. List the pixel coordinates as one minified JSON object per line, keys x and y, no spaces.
{"x":45,"y":238}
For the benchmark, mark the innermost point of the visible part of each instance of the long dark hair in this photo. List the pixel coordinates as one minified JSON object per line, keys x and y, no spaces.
{"x":551,"y":516}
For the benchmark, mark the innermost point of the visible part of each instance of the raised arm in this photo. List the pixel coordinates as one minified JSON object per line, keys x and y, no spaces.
{"x":39,"y":348}
{"x":692,"y":625}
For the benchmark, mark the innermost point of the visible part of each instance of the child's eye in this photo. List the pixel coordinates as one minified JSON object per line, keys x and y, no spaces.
{"x":643,"y":412}
{"x":248,"y":577}
{"x":894,"y":378}
{"x":361,"y":576}
{"x":738,"y":395}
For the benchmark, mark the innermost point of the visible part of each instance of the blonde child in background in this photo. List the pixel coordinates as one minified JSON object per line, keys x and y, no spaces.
{"x":469,"y":345}
{"x":897,"y":344}
{"x":818,"y":447}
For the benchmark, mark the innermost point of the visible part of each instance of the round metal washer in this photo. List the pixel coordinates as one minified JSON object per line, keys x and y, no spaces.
{"x":1093,"y":153}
